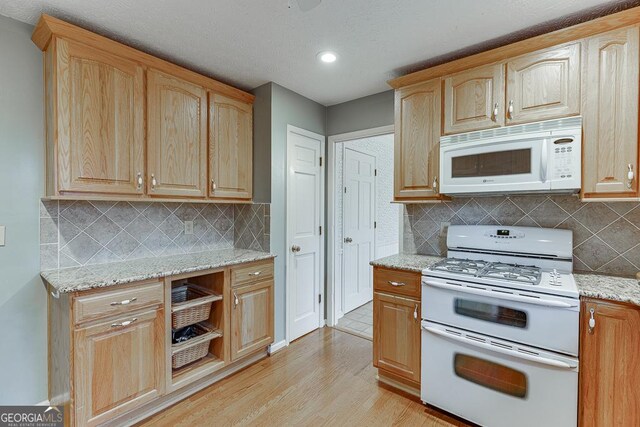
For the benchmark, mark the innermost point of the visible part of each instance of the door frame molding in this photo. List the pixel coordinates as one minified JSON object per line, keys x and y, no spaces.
{"x":293,"y":129}
{"x":333,"y":251}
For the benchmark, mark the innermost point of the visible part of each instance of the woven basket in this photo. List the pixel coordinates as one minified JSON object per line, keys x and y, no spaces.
{"x":194,"y":349}
{"x":190,"y":304}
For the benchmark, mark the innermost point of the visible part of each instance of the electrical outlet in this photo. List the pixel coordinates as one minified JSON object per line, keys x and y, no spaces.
{"x":444,"y":227}
{"x":188,"y":227}
{"x":2,"y":228}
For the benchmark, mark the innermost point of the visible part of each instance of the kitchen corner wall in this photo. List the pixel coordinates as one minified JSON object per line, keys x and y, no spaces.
{"x":78,"y":233}
{"x":606,"y":236}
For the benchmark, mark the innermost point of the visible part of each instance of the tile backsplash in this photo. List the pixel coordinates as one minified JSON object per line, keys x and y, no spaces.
{"x":606,"y":236}
{"x":76,"y":233}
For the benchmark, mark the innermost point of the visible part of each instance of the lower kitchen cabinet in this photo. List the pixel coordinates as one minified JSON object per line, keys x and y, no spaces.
{"x":609,"y":364}
{"x":251,"y":318}
{"x":117,"y":365}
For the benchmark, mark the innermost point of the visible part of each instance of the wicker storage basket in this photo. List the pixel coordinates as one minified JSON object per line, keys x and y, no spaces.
{"x":193,"y":349}
{"x":190,"y":304}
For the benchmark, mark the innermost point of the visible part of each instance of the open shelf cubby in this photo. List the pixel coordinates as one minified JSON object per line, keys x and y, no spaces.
{"x":213,"y":282}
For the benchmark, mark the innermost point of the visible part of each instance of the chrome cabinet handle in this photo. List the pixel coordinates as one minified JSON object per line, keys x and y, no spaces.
{"x":435,"y":184}
{"x":213,"y":185}
{"x":140,"y":180}
{"x":630,"y":175}
{"x":125,"y":323}
{"x":125,"y":301}
{"x":510,"y":109}
{"x":348,"y":240}
{"x":494,"y":117}
{"x":415,"y":312}
{"x":153,"y":182}
{"x":235,"y":300}
{"x":257,"y":273}
{"x":396,"y":283}
{"x":592,"y":320}
{"x":295,"y":248}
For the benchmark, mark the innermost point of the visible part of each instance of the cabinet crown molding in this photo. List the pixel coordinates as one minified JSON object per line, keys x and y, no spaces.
{"x":49,"y":27}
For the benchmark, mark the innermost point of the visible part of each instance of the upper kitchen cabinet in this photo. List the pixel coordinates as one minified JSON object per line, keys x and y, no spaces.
{"x":544,"y":85}
{"x":610,"y":111}
{"x":177,"y":128}
{"x":417,"y":141}
{"x":95,"y":121}
{"x":230,"y":148}
{"x":474,"y":99}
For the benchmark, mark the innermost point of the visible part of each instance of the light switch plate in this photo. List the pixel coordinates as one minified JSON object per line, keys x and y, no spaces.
{"x":2,"y":228}
{"x":188,"y":227}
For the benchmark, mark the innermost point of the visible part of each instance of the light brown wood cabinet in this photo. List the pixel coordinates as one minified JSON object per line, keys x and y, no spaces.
{"x":177,"y":127}
{"x":98,"y":131}
{"x":474,"y":99}
{"x":417,"y":141}
{"x":544,"y":85}
{"x":610,"y":114}
{"x":118,"y":365}
{"x":100,"y":126}
{"x":609,"y":364}
{"x":396,"y":327}
{"x":251,"y":318}
{"x":230,"y":148}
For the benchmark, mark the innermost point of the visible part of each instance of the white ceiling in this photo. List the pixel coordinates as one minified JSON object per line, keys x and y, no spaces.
{"x":250,"y":42}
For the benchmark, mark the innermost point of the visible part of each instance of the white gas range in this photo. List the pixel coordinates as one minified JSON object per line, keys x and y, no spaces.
{"x":500,"y":327}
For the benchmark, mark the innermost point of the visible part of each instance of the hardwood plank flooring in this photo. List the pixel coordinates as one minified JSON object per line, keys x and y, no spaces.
{"x":325,"y":378}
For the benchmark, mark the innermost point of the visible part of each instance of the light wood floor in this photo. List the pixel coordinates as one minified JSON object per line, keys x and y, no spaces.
{"x":324,"y":378}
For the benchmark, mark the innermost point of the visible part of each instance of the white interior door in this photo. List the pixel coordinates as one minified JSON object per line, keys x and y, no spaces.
{"x":358,"y":229}
{"x":305,"y":206}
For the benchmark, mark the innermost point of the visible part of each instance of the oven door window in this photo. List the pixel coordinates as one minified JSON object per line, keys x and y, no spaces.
{"x":498,"y":163}
{"x":491,"y":375}
{"x":491,"y":313}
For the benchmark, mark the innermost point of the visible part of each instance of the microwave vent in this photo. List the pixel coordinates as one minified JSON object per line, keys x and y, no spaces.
{"x":548,"y":125}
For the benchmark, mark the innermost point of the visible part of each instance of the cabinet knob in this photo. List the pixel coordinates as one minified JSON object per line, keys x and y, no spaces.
{"x":213,"y":185}
{"x":123,"y":324}
{"x":396,"y":284}
{"x":140,"y":181}
{"x":510,"y":109}
{"x":154,"y":182}
{"x":235,"y":300}
{"x":435,"y":184}
{"x":494,"y":116}
{"x":630,"y":175}
{"x":348,"y":240}
{"x":415,"y":312}
{"x":124,"y":302}
{"x":592,"y":320}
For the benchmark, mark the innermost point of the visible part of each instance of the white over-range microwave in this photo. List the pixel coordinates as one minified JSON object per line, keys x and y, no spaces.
{"x":530,"y":158}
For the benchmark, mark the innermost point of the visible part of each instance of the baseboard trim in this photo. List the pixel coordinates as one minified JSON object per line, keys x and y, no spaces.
{"x":277,"y":346}
{"x":397,"y":384}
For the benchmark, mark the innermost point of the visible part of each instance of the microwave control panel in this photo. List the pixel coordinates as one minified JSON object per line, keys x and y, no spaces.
{"x":565,"y":159}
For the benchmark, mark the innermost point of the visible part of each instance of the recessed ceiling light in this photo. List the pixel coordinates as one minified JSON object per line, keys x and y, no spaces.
{"x":327,"y":56}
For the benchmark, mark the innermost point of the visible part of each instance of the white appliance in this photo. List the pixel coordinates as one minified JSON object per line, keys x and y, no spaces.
{"x":530,"y":158}
{"x":500,"y":327}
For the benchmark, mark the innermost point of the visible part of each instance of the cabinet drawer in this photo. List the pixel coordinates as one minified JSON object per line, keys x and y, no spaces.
{"x":396,"y":282}
{"x":248,"y":273}
{"x":108,"y":303}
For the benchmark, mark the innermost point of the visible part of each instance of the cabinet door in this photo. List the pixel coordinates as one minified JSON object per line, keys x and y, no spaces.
{"x":474,"y":99}
{"x":100,"y":121}
{"x":118,"y":366}
{"x":396,"y":335}
{"x":610,"y":110}
{"x":417,"y":141}
{"x":609,"y":365}
{"x":230,"y":148}
{"x":544,"y":85}
{"x":251,"y":318}
{"x":177,"y":163}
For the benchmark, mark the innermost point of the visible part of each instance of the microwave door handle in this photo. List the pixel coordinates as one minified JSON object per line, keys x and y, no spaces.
{"x":544,"y":158}
{"x":499,"y":295}
{"x":513,"y":353}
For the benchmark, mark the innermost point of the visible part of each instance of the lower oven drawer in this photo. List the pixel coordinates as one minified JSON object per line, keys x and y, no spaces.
{"x":543,"y":321}
{"x":497,"y":383}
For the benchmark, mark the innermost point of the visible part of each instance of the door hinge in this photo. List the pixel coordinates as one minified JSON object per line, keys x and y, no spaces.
{"x":320,"y":228}
{"x":375,"y":224}
{"x":375,"y":172}
{"x":321,"y":161}
{"x":319,"y":298}
{"x":345,"y":190}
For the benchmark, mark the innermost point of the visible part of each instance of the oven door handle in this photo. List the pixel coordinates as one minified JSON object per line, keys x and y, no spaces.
{"x":499,"y":295}
{"x":530,"y":357}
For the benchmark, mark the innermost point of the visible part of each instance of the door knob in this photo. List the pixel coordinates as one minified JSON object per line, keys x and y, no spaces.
{"x":295,"y":248}
{"x":348,"y":240}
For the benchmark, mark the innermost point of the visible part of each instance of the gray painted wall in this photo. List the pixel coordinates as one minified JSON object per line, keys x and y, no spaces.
{"x":23,"y":304}
{"x":287,"y":108}
{"x":363,"y":113}
{"x":262,"y":144}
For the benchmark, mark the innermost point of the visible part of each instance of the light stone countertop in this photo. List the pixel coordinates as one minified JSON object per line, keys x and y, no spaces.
{"x":599,"y":286}
{"x":118,"y":273}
